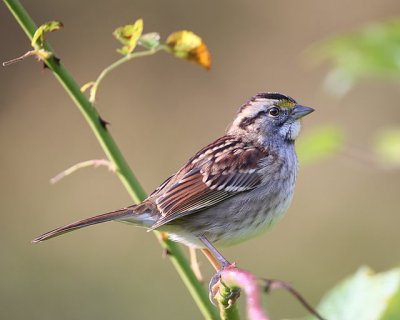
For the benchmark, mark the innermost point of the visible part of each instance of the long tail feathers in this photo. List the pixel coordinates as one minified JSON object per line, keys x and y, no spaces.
{"x":115,"y":215}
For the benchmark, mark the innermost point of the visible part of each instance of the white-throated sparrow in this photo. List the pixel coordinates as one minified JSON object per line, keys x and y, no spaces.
{"x":229,"y":191}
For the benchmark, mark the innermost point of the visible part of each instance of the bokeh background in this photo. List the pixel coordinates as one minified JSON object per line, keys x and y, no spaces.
{"x":345,"y":211}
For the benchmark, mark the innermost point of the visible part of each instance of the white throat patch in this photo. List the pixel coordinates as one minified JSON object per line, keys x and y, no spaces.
{"x":290,"y":130}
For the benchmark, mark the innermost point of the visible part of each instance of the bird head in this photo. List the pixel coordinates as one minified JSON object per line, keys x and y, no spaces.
{"x":269,"y":117}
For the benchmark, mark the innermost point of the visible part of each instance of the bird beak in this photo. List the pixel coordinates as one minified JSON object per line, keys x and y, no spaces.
{"x":300,"y":111}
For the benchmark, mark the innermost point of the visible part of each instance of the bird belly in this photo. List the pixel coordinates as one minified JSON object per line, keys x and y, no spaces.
{"x":232,"y":221}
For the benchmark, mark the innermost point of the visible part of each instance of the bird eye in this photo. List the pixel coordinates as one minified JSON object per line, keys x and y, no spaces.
{"x":274,"y":111}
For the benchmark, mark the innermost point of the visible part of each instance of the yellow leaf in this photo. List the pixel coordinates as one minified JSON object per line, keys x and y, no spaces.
{"x":47,"y":27}
{"x":129,"y":35}
{"x":87,"y":86}
{"x":187,"y":45}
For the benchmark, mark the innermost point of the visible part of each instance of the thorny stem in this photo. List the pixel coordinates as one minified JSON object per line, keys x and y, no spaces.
{"x":115,"y":156}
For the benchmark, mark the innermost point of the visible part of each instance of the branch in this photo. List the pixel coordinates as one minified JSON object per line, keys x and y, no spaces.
{"x":115,"y":156}
{"x":271,"y":284}
{"x":128,"y":57}
{"x":23,"y":57}
{"x":84,"y":164}
{"x":238,"y":278}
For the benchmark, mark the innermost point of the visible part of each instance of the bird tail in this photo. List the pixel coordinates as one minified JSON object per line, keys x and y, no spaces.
{"x":121,"y":214}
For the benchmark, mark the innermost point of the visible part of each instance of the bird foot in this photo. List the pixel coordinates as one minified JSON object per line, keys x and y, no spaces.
{"x":215,"y":282}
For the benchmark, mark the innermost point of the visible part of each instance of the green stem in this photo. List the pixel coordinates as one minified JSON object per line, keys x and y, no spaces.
{"x":228,"y":310}
{"x":116,"y":64}
{"x":113,"y":153}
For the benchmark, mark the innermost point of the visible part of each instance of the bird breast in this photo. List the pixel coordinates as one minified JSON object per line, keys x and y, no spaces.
{"x":246,"y":214}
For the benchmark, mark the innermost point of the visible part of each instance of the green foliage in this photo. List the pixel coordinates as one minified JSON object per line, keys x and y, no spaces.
{"x":38,"y":37}
{"x":129,"y":36}
{"x":393,"y":308}
{"x":372,"y":51}
{"x":365,"y":295}
{"x":320,"y":143}
{"x":387,"y":146}
{"x":369,"y":52}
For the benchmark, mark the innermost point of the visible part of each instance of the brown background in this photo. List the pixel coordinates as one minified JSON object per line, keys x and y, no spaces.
{"x":345,"y":213}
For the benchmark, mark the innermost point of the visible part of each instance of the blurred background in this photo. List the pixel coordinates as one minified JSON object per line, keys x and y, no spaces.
{"x":345,"y":211}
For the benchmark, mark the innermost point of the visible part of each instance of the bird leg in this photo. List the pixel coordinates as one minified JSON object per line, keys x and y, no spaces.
{"x":217,"y":255}
{"x":194,"y":264}
{"x":219,"y":263}
{"x":213,"y":261}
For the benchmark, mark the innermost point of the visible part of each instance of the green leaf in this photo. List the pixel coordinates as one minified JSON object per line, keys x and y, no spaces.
{"x":365,"y":295}
{"x":369,"y":52}
{"x":129,"y":35}
{"x":38,"y":37}
{"x":150,"y":40}
{"x":320,"y":143}
{"x":393,"y":310}
{"x":387,"y":146}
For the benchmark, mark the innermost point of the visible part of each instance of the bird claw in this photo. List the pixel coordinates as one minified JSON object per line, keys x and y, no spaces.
{"x":213,"y":287}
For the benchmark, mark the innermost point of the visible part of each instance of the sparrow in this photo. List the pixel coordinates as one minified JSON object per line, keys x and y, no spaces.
{"x":231,"y":190}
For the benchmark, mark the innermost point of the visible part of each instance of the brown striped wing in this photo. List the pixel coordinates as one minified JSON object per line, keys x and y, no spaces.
{"x":217,"y":172}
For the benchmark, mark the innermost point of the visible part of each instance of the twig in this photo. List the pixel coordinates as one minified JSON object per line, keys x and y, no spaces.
{"x":271,"y":284}
{"x":23,"y":57}
{"x":89,"y":163}
{"x":234,"y":277}
{"x":95,"y":85}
